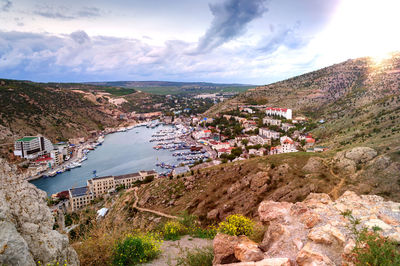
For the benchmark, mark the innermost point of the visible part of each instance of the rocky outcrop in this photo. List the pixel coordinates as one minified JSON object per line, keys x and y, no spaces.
{"x":346,"y":162}
{"x":314,"y":232}
{"x":26,"y":225}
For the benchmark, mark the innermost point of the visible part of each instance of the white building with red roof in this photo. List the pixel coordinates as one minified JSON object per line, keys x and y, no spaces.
{"x":283,"y":112}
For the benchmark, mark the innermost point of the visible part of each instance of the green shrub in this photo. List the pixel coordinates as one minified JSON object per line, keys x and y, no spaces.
{"x":207,"y":233}
{"x":236,"y":225}
{"x":372,"y":248}
{"x":135,"y":249}
{"x":197,"y":257}
{"x":172,"y":230}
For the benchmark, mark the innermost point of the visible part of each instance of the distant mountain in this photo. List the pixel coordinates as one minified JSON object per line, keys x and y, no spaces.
{"x":170,"y":87}
{"x":359,"y":99}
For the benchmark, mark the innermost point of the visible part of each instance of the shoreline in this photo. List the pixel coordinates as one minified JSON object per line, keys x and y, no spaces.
{"x":80,"y":154}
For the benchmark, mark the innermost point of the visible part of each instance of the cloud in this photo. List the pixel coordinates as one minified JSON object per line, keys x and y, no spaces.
{"x":230,"y":20}
{"x":5,"y":5}
{"x":79,"y":57}
{"x":280,"y":36}
{"x":64,"y":13}
{"x":80,"y":37}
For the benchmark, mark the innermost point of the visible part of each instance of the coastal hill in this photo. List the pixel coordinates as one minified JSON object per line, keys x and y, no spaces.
{"x":359,"y":101}
{"x":29,"y":108}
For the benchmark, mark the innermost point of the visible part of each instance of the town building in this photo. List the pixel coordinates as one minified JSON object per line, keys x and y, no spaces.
{"x":260,"y":140}
{"x":98,"y":186}
{"x":287,"y":145}
{"x":270,"y":134}
{"x":283,"y":112}
{"x":31,"y":147}
{"x":271,"y":122}
{"x":80,"y":197}
{"x":201,"y":134}
{"x":286,"y":126}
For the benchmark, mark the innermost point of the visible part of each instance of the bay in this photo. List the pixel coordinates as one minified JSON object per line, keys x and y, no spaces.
{"x":121,"y":153}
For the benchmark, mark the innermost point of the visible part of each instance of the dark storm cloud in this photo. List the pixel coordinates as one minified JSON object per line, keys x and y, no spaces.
{"x":5,"y":5}
{"x":67,"y":14}
{"x":230,"y":20}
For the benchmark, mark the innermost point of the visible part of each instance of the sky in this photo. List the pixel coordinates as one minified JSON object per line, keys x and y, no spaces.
{"x":224,"y":41}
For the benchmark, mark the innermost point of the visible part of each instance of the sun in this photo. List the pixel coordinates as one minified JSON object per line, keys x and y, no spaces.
{"x":364,"y":28}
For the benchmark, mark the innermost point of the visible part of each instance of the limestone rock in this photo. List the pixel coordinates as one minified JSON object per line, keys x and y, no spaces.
{"x":224,"y":249}
{"x":271,"y":210}
{"x":314,"y":165}
{"x":308,"y":257}
{"x":264,"y":262}
{"x":213,"y":214}
{"x":326,"y":234}
{"x":26,"y":231}
{"x":247,"y":250}
{"x":314,"y":232}
{"x":259,"y":180}
{"x":361,"y":154}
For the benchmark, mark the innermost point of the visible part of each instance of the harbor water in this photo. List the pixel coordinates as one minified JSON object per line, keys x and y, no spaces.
{"x":120,"y":153}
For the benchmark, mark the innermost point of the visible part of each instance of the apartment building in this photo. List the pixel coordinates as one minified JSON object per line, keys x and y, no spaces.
{"x":270,"y":134}
{"x":271,"y":122}
{"x":80,"y":197}
{"x":283,"y":112}
{"x":101,"y":185}
{"x":98,"y":186}
{"x":31,"y":147}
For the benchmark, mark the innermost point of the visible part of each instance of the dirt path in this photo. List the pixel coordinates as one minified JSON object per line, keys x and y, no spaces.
{"x":334,"y":193}
{"x":171,"y":250}
{"x":148,"y":210}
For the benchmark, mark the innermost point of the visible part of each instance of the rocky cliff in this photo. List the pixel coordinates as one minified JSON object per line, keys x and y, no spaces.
{"x":26,"y":225}
{"x":312,"y":232}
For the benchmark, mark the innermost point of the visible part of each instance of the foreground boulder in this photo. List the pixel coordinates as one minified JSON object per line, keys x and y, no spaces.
{"x":229,"y":249}
{"x":314,"y":232}
{"x":26,"y":225}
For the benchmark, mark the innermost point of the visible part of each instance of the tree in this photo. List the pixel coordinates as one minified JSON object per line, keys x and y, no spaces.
{"x":237,"y":151}
{"x":245,"y":142}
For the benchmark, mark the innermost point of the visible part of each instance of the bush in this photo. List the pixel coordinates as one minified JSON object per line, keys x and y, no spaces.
{"x":135,"y":249}
{"x":371,"y":248}
{"x":197,"y":257}
{"x":172,"y":230}
{"x":236,"y":225}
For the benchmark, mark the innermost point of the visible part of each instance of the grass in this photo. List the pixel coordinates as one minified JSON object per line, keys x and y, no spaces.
{"x":118,"y":91}
{"x":197,"y":257}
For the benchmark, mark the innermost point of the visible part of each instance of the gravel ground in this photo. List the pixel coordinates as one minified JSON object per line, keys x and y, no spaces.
{"x":171,"y":250}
